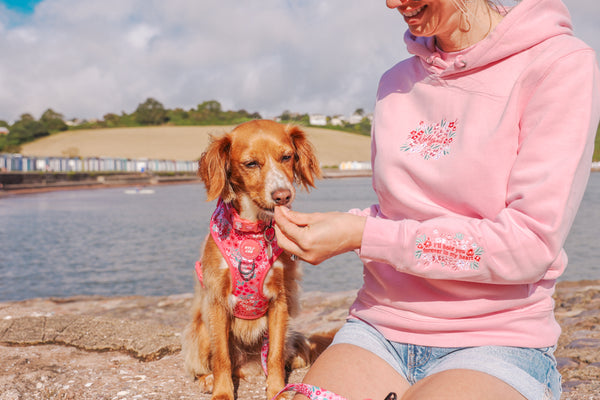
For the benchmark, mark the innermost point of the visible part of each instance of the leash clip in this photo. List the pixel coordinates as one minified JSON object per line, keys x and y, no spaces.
{"x":269,"y":235}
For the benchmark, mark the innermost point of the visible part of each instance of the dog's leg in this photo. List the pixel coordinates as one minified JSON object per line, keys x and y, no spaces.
{"x":196,"y":352}
{"x":278,"y":321}
{"x":196,"y":347}
{"x":220,"y":325}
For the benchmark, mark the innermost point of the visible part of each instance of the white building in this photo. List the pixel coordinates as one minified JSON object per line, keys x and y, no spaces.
{"x":337,"y":120}
{"x":317,"y":119}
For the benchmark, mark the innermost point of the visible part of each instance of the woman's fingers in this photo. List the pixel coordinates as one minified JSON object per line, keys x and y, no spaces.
{"x":293,"y":232}
{"x":297,"y":218}
{"x":287,"y":231}
{"x":316,"y":237}
{"x":286,"y":244}
{"x":282,"y":221}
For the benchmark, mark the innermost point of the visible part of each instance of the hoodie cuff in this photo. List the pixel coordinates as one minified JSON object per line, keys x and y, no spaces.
{"x":383,"y":241}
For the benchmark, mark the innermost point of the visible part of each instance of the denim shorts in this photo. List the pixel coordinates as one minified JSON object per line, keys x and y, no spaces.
{"x":532,"y":372}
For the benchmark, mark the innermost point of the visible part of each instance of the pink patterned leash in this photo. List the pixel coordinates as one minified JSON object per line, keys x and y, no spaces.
{"x":310,"y":391}
{"x":316,"y":393}
{"x":264,"y":352}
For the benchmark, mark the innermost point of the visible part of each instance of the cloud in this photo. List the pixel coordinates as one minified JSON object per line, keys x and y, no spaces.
{"x":85,"y":59}
{"x":88,"y":58}
{"x":140,"y":36}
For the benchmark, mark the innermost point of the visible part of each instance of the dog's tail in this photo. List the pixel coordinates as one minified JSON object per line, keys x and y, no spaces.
{"x":304,"y":351}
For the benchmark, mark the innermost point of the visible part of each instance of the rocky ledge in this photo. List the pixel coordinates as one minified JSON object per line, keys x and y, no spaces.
{"x":129,"y":347}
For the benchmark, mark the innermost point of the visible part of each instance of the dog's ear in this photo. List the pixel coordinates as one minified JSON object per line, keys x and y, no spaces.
{"x":306,"y":165}
{"x":214,"y":169}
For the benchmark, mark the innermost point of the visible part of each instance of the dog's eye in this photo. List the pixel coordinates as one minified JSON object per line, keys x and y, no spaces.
{"x":251,"y":164}
{"x":286,"y":158}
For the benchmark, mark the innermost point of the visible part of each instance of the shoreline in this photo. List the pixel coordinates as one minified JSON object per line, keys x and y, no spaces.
{"x":117,"y":180}
{"x":131,"y":180}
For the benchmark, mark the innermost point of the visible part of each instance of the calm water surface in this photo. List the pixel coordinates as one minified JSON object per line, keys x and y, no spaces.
{"x":107,"y":242}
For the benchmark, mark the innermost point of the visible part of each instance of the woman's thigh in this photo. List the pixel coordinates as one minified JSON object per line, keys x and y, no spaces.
{"x":461,"y":384}
{"x":354,"y":373}
{"x":362,"y":364}
{"x":358,"y":374}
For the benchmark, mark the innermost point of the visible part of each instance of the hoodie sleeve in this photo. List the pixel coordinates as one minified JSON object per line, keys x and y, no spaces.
{"x":524,"y":242}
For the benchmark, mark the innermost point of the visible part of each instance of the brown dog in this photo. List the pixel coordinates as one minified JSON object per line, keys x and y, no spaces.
{"x":247,"y":286}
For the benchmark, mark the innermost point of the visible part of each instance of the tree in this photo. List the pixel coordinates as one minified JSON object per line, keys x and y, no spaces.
{"x":364,"y":127}
{"x":26,"y":117}
{"x":111,"y":120}
{"x":50,"y":114}
{"x":151,"y":112}
{"x":209,"y":112}
{"x":53,"y":121}
{"x":26,"y":130}
{"x":179,"y":116}
{"x":285,"y":116}
{"x":211,"y":107}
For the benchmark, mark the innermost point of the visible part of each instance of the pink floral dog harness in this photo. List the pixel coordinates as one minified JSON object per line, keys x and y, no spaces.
{"x":250,"y":249}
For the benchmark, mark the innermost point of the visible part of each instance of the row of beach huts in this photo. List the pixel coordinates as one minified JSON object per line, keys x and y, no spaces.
{"x":21,"y":163}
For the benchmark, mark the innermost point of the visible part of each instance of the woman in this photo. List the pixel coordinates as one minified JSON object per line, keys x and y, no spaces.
{"x":481,"y":150}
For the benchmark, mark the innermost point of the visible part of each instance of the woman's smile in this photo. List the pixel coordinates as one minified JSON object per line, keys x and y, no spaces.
{"x":412,"y":12}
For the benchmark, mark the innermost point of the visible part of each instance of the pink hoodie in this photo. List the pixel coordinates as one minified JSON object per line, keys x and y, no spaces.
{"x":480,"y":159}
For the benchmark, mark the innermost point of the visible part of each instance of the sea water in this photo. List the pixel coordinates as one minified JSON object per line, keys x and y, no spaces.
{"x":113,"y":242}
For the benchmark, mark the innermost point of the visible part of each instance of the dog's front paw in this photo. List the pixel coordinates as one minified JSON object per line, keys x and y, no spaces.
{"x":222,"y":388}
{"x":274,"y":388}
{"x":222,"y":396}
{"x":206,"y":383}
{"x":282,"y":396}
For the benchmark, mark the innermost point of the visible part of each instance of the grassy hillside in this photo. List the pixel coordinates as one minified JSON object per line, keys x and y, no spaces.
{"x":181,"y":143}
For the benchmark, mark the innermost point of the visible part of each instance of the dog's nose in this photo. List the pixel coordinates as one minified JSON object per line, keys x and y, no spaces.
{"x":282,"y":197}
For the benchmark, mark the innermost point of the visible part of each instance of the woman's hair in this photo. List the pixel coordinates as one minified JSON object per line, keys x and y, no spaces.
{"x":493,"y":4}
{"x":499,"y":6}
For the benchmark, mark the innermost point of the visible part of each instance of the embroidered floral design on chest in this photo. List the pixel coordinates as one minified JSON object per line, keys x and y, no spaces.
{"x":454,"y":251}
{"x":431,"y":141}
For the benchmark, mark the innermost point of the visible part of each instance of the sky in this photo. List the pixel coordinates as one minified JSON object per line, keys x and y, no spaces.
{"x":85,"y":59}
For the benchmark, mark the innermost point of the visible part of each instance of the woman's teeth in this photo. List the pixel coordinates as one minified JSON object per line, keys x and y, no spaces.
{"x":412,"y":13}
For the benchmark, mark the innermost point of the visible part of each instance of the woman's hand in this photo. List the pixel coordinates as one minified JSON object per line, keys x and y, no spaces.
{"x":318,"y":236}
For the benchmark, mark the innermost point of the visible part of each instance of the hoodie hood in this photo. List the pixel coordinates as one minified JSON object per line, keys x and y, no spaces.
{"x":523,"y":26}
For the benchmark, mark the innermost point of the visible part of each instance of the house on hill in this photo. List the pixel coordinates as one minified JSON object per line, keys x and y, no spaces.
{"x":4,"y":131}
{"x":317,"y":119}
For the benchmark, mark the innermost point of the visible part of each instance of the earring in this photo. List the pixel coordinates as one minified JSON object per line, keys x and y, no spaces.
{"x":467,"y":20}
{"x":464,"y":14}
